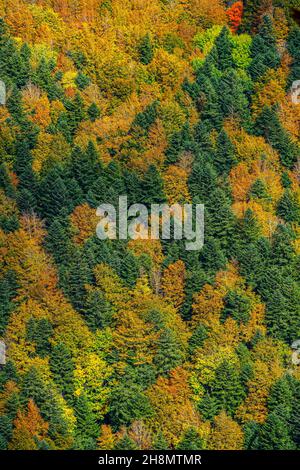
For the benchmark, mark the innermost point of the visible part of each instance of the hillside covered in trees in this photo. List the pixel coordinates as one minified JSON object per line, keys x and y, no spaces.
{"x":142,"y":344}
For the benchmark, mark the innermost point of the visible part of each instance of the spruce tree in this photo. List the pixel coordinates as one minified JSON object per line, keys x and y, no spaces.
{"x":274,"y":434}
{"x":86,"y":167}
{"x":288,"y":207}
{"x":98,"y":313}
{"x":223,"y":50}
{"x":200,"y":334}
{"x":190,"y":441}
{"x":220,"y":220}
{"x":62,"y":368}
{"x":202,"y":181}
{"x":87,"y":428}
{"x":224,"y":158}
{"x":128,"y":403}
{"x":227,"y":389}
{"x":76,"y":277}
{"x":293,"y":46}
{"x":269,"y":126}
{"x":168,"y":355}
{"x":237,"y":306}
{"x":263,"y":50}
{"x":232,"y":97}
{"x":145,"y":50}
{"x":152,"y":189}
{"x":125,"y":443}
{"x":5,"y":182}
{"x":93,"y":112}
{"x":160,"y":442}
{"x":52,"y":195}
{"x":39,"y":332}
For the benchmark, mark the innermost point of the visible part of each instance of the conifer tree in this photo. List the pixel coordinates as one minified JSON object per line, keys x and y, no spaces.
{"x":153,"y":192}
{"x":274,"y":434}
{"x":269,"y":126}
{"x":168,"y":355}
{"x":202,"y":180}
{"x":263,"y":50}
{"x":223,"y":50}
{"x":128,"y":403}
{"x":125,"y":443}
{"x":224,"y":158}
{"x":62,"y":368}
{"x":52,"y":195}
{"x":98,"y":313}
{"x":39,"y":332}
{"x":226,"y":391}
{"x":76,"y":277}
{"x":160,"y":442}
{"x":86,"y":425}
{"x":293,"y":46}
{"x":288,"y":207}
{"x":190,"y":441}
{"x":145,"y":50}
{"x":93,"y":112}
{"x":5,"y":182}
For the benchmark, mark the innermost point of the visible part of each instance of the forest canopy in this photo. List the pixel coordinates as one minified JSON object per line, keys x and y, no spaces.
{"x":117,"y":344}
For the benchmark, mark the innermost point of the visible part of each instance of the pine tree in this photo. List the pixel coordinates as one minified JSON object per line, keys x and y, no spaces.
{"x":198,"y":337}
{"x":43,"y":395}
{"x":258,"y":190}
{"x":251,"y":435}
{"x":7,"y":293}
{"x":208,"y":102}
{"x":281,"y":396}
{"x":212,"y":256}
{"x":27,"y":179}
{"x":220,"y":220}
{"x":283,"y":252}
{"x":251,"y":15}
{"x":295,"y":414}
{"x":58,"y":240}
{"x":82,"y":80}
{"x":6,"y":427}
{"x":249,"y":229}
{"x":282,"y":296}
{"x":75,"y":278}
{"x":86,"y":167}
{"x":237,"y":306}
